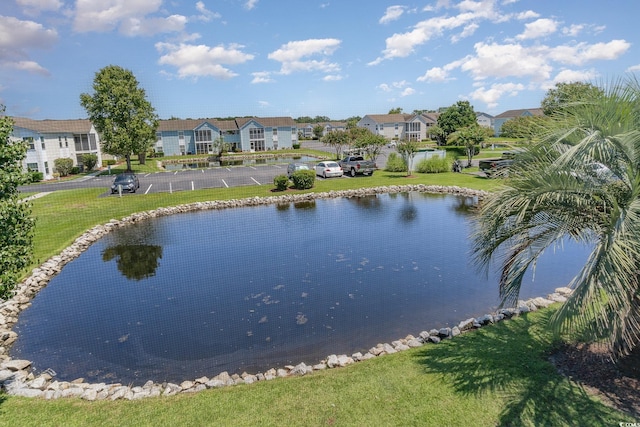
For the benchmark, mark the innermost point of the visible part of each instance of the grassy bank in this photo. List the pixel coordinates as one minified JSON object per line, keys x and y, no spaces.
{"x":498,"y":375}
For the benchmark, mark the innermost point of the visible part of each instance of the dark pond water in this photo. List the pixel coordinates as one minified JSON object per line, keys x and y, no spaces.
{"x":253,"y":288}
{"x":240,"y":162}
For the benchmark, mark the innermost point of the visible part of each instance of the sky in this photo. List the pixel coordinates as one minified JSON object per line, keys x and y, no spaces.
{"x":333,"y":58}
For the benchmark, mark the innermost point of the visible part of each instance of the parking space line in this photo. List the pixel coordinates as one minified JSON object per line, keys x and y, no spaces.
{"x":192,"y":187}
{"x":228,"y":170}
{"x":255,"y":181}
{"x":148,"y":188}
{"x":252,"y":167}
{"x":225,"y":183}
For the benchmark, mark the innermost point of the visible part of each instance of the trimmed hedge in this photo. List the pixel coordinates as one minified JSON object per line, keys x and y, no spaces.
{"x":303,"y":179}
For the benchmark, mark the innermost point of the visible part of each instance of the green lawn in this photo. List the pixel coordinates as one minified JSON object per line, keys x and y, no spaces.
{"x":498,"y":375}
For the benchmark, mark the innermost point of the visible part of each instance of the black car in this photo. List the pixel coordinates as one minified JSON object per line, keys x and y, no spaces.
{"x":128,"y":181}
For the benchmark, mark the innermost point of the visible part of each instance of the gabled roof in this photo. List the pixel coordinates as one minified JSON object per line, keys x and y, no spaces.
{"x":480,"y":113}
{"x":268,"y":121}
{"x":53,"y":126}
{"x":509,"y":114}
{"x":390,"y":118}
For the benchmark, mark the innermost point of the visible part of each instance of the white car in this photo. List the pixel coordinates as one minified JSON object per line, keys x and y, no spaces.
{"x":328,"y":169}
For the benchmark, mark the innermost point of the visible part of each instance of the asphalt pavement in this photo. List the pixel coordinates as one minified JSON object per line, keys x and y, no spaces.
{"x":188,"y":179}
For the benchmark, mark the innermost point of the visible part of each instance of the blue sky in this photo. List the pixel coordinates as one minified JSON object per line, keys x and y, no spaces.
{"x":306,"y":58}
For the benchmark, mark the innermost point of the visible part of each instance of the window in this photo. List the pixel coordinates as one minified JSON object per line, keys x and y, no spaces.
{"x":42,"y":142}
{"x":158,"y":137}
{"x":181,"y":136}
{"x":66,"y":143}
{"x":203,"y":135}
{"x":256,"y":138}
{"x":46,"y":167}
{"x":60,"y":141}
{"x":32,"y":166}
{"x":81,"y":142}
{"x":29,"y":140}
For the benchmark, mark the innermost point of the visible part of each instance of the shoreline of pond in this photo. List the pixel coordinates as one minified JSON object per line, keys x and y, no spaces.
{"x":17,"y":378}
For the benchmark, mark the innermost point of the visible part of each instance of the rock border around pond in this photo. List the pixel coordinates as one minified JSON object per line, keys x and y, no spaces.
{"x":17,"y":377}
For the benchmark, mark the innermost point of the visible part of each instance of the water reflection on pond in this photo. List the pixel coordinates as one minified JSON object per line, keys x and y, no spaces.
{"x":253,"y":288}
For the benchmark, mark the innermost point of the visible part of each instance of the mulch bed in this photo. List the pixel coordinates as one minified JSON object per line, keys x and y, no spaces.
{"x":616,"y":384}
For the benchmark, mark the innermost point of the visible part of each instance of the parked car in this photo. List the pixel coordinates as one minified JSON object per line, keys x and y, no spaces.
{"x":128,"y":181}
{"x":357,"y":165}
{"x":294,"y":167}
{"x":328,"y":169}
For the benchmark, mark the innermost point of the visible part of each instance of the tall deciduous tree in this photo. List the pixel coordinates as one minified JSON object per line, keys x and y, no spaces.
{"x":456,"y":117}
{"x":581,"y":181}
{"x":119,"y":110}
{"x":566,"y":94}
{"x":16,"y":224}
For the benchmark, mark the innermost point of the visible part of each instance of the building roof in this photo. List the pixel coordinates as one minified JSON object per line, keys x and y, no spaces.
{"x":390,"y":118}
{"x":519,"y":113}
{"x":234,"y":124}
{"x":53,"y":126}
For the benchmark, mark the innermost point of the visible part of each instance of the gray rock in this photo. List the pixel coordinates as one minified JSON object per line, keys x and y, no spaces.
{"x":27,"y":392}
{"x":444,"y":332}
{"x":455,"y":331}
{"x":434,"y":339}
{"x":466,"y":324}
{"x":301,"y":369}
{"x":332,"y":361}
{"x":171,"y":389}
{"x":16,"y":365}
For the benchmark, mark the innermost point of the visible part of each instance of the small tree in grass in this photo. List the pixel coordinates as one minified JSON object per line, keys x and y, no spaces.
{"x":407,"y":150}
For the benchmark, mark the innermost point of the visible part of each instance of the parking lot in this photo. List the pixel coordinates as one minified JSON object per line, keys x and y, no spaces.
{"x":192,"y":179}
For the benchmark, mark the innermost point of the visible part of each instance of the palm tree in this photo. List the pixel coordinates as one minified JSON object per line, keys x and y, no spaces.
{"x":580,"y":181}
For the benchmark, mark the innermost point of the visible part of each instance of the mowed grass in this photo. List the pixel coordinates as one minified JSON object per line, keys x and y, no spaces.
{"x":499,"y":375}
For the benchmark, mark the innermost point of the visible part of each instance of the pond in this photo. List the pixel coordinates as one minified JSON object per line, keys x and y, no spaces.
{"x":248,"y":289}
{"x":240,"y":162}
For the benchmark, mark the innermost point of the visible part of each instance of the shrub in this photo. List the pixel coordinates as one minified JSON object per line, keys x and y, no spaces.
{"x":109,"y":162}
{"x":35,"y":176}
{"x":75,"y":170}
{"x":89,"y":161}
{"x":435,"y":164}
{"x":295,"y":146}
{"x":395,"y":163}
{"x":281,"y":182}
{"x":63,"y":165}
{"x":303,"y":179}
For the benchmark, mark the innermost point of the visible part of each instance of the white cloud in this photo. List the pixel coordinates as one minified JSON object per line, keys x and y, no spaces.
{"x":201,"y":60}
{"x":539,"y":28}
{"x":466,"y":32}
{"x":291,"y":56}
{"x":17,"y":37}
{"x":392,"y":13}
{"x":582,"y":53}
{"x":435,"y":75}
{"x":401,"y":45}
{"x":408,"y":91}
{"x":633,"y":68}
{"x":332,"y":78}
{"x":507,"y":60}
{"x":146,"y":27}
{"x":34,"y":7}
{"x":491,"y":95}
{"x":573,"y":30}
{"x":529,"y":14}
{"x":131,"y":17}
{"x":568,"y":76}
{"x":261,"y":77}
{"x":250,"y":4}
{"x":384,"y":87}
{"x":205,"y":14}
